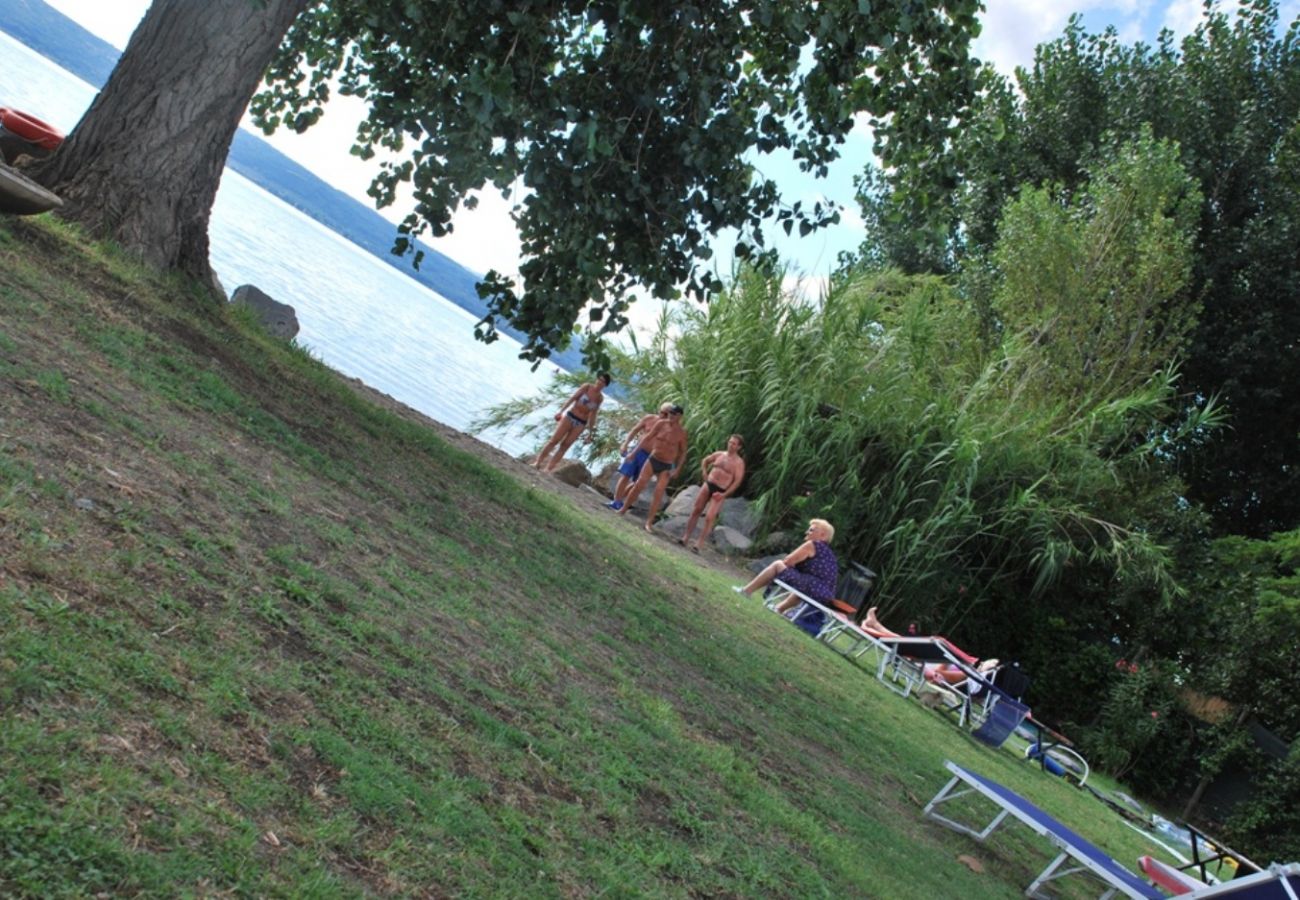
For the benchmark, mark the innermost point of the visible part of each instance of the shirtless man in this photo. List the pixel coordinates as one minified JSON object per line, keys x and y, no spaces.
{"x":577,"y":414}
{"x":723,"y":472}
{"x":666,"y":444}
{"x":630,"y":470}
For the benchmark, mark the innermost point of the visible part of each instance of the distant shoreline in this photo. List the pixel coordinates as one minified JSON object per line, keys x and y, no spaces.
{"x":53,"y":35}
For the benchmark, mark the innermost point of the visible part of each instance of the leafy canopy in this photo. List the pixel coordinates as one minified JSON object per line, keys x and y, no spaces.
{"x":1228,"y":96}
{"x":626,"y":121}
{"x":949,"y":459}
{"x":1098,"y":285}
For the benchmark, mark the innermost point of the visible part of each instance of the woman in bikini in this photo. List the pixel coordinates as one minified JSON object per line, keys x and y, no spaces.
{"x":577,"y":413}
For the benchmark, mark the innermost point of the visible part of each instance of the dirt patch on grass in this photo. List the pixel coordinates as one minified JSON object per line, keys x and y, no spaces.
{"x":584,"y":497}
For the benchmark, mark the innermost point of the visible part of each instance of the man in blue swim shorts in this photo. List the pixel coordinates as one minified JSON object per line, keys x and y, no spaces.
{"x":631,"y":467}
{"x":666,"y":444}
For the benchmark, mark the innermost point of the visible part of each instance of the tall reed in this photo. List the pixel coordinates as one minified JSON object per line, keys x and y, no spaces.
{"x":955,"y":459}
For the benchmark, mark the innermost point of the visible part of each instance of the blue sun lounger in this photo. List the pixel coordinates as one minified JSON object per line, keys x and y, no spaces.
{"x":1077,"y":854}
{"x":1277,"y":883}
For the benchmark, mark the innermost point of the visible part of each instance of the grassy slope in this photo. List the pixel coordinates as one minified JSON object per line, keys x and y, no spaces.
{"x":258,"y":635}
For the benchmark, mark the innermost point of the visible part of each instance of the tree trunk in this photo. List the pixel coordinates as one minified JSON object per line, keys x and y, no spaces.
{"x":143,"y":165}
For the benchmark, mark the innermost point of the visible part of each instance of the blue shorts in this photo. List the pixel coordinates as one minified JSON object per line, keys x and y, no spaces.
{"x":632,"y":464}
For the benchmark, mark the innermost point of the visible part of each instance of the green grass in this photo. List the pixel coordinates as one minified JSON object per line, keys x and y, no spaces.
{"x":297,"y":645}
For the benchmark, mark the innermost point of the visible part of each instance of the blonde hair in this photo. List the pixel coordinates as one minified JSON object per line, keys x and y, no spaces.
{"x":665,"y":407}
{"x":825,"y":526}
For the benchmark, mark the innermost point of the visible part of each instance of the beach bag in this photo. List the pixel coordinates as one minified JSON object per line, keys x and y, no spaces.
{"x":810,"y":620}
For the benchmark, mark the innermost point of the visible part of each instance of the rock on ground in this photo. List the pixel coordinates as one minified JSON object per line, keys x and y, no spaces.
{"x":279,"y":319}
{"x":572,"y":472}
{"x":729,"y":541}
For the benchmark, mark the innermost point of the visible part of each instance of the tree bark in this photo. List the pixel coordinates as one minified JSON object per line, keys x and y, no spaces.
{"x":143,"y":165}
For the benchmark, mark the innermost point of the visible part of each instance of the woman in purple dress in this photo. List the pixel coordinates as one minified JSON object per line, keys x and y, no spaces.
{"x":810,"y":569}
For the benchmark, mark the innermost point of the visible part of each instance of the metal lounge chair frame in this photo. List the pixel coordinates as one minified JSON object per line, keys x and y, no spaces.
{"x":1277,"y":883}
{"x":1076,"y":855}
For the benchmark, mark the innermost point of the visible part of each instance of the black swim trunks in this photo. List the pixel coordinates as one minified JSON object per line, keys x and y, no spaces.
{"x":658,"y":465}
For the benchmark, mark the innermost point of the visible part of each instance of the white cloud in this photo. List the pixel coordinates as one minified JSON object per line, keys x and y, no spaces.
{"x":851,"y":217}
{"x":805,"y":288}
{"x":1181,"y":16}
{"x":1013,"y":28}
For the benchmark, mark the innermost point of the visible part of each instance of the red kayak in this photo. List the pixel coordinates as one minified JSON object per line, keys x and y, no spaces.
{"x":24,"y":134}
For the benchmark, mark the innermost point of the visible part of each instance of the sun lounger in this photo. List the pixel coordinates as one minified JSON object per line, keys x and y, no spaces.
{"x":842,"y":624}
{"x":1077,"y":855}
{"x":1173,"y":880}
{"x":835,"y":621}
{"x":902,"y":666}
{"x":1050,"y":748}
{"x":974,"y":698}
{"x":1273,"y":883}
{"x":1210,"y":852}
{"x":1002,"y":716}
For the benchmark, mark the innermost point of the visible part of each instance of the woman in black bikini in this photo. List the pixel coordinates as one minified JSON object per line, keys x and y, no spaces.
{"x":577,"y":413}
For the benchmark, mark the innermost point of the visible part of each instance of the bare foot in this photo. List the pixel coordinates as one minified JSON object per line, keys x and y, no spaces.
{"x":649,"y":529}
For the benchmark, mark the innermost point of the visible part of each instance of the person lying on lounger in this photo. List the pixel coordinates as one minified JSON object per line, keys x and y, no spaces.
{"x":945,"y":673}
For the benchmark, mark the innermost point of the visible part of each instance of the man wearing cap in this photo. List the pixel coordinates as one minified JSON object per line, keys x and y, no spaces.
{"x":666,"y":444}
{"x":630,"y":470}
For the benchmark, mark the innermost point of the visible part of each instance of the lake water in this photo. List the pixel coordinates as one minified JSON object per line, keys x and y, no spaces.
{"x":357,"y":313}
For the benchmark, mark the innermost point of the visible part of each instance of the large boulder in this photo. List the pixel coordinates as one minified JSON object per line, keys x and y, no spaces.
{"x":739,"y":513}
{"x":776,"y":542}
{"x":649,"y":491}
{"x":684,"y":501}
{"x":607,"y":478}
{"x":730,"y":542}
{"x":279,"y":319}
{"x":572,"y":473}
{"x":673,"y":526}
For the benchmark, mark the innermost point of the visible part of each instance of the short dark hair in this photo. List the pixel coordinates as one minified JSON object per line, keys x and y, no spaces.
{"x":608,"y":380}
{"x":677,"y":410}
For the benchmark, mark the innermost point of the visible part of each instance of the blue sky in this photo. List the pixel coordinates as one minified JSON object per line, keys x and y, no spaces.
{"x":485,"y":238}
